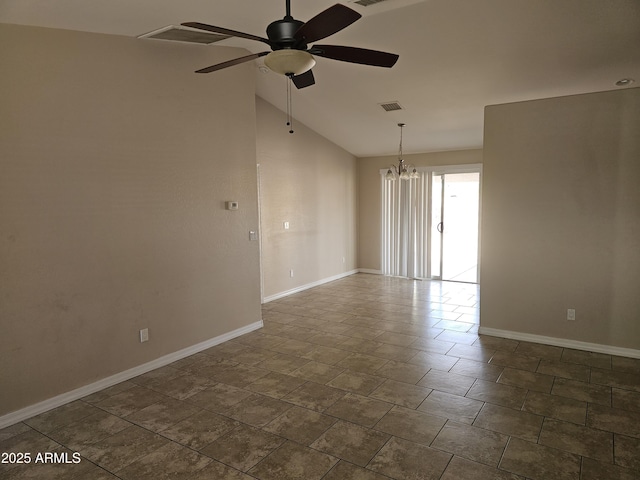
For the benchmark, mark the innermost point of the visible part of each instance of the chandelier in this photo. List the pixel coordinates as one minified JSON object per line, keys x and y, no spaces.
{"x":402,"y":170}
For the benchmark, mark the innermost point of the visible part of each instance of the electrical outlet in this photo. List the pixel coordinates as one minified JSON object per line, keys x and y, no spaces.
{"x":286,"y":225}
{"x":291,"y":273}
{"x":571,"y":314}
{"x":144,"y":335}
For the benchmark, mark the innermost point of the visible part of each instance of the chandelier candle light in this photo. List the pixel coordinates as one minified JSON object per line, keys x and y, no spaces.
{"x":402,"y":170}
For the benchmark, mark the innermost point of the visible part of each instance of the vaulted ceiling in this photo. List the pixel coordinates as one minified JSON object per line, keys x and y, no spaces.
{"x":456,"y":57}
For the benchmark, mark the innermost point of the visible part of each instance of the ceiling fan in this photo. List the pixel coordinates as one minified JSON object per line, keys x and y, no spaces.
{"x":289,"y":40}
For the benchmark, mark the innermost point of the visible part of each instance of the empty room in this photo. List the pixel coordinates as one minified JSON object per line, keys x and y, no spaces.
{"x":285,"y":239}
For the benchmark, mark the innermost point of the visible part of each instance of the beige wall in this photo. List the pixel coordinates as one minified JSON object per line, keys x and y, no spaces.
{"x":115,"y":163}
{"x":561,"y":218}
{"x":370,"y":200}
{"x":311,"y":183}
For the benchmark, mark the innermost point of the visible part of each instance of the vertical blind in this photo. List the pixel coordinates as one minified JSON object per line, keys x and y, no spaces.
{"x":404,"y":226}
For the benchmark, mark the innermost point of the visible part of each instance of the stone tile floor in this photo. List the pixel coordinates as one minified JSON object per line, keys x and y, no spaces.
{"x":364,"y":378}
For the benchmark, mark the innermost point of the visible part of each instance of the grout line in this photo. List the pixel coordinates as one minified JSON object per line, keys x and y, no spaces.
{"x":503,"y":453}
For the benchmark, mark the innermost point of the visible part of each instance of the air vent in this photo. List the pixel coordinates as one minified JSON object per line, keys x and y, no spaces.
{"x":182,"y":34}
{"x":390,"y":106}
{"x":366,"y":3}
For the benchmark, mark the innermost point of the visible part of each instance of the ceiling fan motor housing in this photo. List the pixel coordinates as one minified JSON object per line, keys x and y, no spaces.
{"x":281,"y":34}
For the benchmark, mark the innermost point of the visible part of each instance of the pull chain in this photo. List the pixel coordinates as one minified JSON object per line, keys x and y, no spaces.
{"x":289,"y":105}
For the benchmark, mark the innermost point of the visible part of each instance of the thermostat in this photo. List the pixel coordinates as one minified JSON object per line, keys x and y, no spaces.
{"x":232,"y":205}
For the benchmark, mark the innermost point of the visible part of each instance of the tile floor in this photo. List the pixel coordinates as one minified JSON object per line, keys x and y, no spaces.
{"x":364,"y":378}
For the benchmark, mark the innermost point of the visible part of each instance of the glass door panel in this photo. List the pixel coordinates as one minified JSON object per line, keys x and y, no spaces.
{"x":460,"y":207}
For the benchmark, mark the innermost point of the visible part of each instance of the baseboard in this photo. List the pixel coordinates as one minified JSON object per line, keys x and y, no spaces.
{"x":561,"y":342}
{"x":302,"y":288}
{"x":59,"y":400}
{"x":370,"y":271}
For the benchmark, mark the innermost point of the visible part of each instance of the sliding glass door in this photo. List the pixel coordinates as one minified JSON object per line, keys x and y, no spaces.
{"x":431,"y":225}
{"x":455,"y":226}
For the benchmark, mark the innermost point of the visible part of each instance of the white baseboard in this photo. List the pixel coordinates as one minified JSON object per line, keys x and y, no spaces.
{"x":561,"y":342}
{"x":369,"y":270}
{"x":59,"y":400}
{"x":302,"y":288}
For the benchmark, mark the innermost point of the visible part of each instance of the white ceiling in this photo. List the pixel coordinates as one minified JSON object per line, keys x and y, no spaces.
{"x":456,"y":57}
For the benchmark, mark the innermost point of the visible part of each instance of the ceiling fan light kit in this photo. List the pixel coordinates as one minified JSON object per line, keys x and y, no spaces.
{"x":289,"y":61}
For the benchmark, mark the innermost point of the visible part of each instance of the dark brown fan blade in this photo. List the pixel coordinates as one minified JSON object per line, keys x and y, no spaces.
{"x":326,"y":23}
{"x":355,"y":55}
{"x":231,"y":63}
{"x":303,"y":80}
{"x":225,"y":31}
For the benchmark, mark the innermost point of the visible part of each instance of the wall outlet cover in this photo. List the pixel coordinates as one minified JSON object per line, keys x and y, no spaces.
{"x":144,"y":335}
